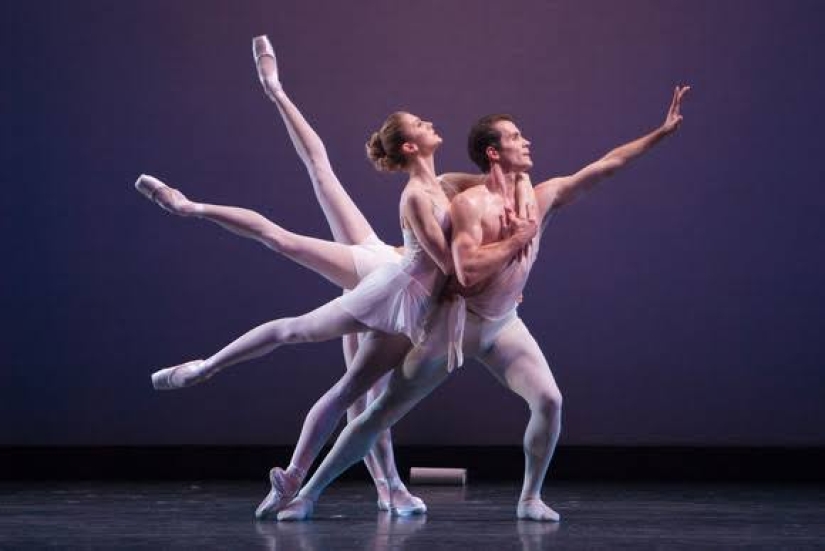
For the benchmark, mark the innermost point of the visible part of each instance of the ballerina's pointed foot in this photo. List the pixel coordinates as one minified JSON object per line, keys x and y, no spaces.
{"x":180,"y":376}
{"x":536,"y":509}
{"x":168,"y":198}
{"x":401,"y":502}
{"x":300,"y":508}
{"x":284,"y":488}
{"x":266,"y":65}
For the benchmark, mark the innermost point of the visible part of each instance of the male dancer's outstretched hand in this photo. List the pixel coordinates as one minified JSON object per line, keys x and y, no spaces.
{"x":674,"y":115}
{"x":563,"y":190}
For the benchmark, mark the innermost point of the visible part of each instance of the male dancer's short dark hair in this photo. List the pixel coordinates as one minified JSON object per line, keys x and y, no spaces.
{"x":483,"y":135}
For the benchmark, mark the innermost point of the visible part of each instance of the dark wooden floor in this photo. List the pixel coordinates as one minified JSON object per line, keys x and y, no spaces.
{"x":218,"y":515}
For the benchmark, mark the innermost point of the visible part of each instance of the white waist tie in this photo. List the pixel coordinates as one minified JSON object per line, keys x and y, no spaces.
{"x":456,"y":320}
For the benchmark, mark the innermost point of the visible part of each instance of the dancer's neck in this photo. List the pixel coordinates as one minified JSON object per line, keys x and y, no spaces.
{"x":502,"y":183}
{"x":423,"y":170}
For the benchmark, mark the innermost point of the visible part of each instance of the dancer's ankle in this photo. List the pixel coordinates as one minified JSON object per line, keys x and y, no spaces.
{"x":395,"y":483}
{"x":191,"y":208}
{"x":295,"y":473}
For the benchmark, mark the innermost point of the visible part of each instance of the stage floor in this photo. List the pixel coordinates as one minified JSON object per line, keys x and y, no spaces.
{"x":219,"y":515}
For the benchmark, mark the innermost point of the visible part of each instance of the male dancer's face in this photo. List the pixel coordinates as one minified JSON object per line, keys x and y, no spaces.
{"x":514,"y":154}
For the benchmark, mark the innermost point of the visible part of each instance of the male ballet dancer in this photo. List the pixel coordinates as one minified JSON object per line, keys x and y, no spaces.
{"x":493,"y":332}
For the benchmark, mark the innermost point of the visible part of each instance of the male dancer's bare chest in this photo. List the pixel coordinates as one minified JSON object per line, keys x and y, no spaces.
{"x":493,"y":217}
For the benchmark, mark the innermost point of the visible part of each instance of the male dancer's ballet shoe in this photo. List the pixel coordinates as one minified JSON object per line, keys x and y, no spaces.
{"x":284,"y":488}
{"x":536,"y":509}
{"x":179,"y":376}
{"x":262,"y":48}
{"x":300,"y":508}
{"x":151,"y":188}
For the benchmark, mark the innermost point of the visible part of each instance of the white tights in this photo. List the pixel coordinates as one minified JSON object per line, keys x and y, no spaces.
{"x":514,"y":358}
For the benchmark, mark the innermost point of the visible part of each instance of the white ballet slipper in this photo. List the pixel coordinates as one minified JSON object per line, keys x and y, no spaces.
{"x":416,"y":506}
{"x":282,"y":492}
{"x":407,"y":504}
{"x":300,"y":508}
{"x":179,"y":376}
{"x":536,"y":509}
{"x":262,"y":48}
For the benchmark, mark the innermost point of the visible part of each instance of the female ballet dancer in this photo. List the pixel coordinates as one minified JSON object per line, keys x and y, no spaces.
{"x":356,"y":253}
{"x":393,"y":299}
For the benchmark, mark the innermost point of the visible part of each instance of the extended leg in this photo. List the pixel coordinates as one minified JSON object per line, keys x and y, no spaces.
{"x":346,"y":221}
{"x":517,"y":362}
{"x":331,"y":260}
{"x":327,"y":322}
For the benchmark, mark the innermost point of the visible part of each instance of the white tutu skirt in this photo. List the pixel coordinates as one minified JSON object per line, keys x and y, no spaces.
{"x":371,"y":254}
{"x":390,"y":300}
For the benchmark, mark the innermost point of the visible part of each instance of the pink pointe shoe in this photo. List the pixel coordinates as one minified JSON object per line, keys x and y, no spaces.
{"x":261,"y":48}
{"x":167,"y":198}
{"x":284,"y":488}
{"x":179,"y":376}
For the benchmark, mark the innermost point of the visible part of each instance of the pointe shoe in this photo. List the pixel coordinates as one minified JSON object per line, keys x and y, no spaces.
{"x":282,"y":492}
{"x":151,"y":188}
{"x":300,"y":508}
{"x":262,"y":48}
{"x":413,"y":505}
{"x":179,"y":376}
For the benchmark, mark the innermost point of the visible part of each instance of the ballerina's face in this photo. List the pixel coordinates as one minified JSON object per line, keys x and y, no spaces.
{"x":420,"y":133}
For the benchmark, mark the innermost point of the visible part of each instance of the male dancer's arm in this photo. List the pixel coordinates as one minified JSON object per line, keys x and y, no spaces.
{"x":561,"y":191}
{"x":475,"y":262}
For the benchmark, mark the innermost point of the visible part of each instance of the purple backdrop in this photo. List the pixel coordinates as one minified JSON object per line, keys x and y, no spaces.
{"x":680,"y":303}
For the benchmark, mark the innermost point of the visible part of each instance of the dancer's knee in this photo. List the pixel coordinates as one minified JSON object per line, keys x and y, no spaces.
{"x":547,"y":402}
{"x":280,"y":241}
{"x":291,"y":330}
